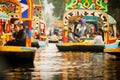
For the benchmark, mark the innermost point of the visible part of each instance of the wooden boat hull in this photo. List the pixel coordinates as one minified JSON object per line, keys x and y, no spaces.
{"x":112,"y":50}
{"x":80,"y":47}
{"x":17,"y":55}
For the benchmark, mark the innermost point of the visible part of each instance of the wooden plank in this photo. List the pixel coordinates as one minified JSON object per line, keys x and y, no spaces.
{"x":16,"y":49}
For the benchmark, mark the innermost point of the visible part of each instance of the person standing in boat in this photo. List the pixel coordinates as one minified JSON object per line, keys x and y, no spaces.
{"x":97,"y":38}
{"x":82,"y":26}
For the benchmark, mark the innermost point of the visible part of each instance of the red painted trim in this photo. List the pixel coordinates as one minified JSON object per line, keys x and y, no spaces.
{"x":0,"y":27}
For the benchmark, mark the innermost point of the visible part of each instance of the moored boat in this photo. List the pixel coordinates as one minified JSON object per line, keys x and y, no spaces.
{"x":85,"y":20}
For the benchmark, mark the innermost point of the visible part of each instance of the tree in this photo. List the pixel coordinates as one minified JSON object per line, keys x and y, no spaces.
{"x":114,"y":10}
{"x":59,"y":8}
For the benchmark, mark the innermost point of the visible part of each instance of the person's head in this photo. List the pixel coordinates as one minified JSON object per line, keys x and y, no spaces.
{"x":69,"y":29}
{"x":16,"y":28}
{"x":21,"y":27}
{"x":100,"y":31}
{"x":94,"y":34}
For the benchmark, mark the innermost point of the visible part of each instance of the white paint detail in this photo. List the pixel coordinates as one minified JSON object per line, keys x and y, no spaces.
{"x":24,"y":7}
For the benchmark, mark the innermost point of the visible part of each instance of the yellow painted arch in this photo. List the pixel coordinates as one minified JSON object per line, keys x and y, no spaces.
{"x":11,"y":1}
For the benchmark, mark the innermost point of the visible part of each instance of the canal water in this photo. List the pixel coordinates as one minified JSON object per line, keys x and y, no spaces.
{"x":50,"y":64}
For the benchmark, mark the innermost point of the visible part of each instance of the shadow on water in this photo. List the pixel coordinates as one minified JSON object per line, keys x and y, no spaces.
{"x":49,"y":64}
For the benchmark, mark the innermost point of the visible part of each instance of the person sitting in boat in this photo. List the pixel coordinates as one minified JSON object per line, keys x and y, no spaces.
{"x":15,"y":31}
{"x":71,"y":36}
{"x":22,"y":35}
{"x":18,"y":38}
{"x":97,"y":38}
{"x":101,"y":32}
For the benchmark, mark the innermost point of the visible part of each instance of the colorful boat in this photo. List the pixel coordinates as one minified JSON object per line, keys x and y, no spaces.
{"x":86,"y":47}
{"x":107,"y":48}
{"x":97,"y":17}
{"x":10,"y":15}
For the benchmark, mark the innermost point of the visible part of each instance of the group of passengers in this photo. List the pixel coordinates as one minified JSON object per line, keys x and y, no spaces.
{"x":97,"y":36}
{"x":18,"y":37}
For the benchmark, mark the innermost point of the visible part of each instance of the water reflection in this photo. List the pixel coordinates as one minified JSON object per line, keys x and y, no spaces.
{"x":50,"y":64}
{"x":84,"y":66}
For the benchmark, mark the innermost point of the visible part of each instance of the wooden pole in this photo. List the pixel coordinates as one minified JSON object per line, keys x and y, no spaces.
{"x":0,"y":27}
{"x":64,"y":34}
{"x":28,"y":39}
{"x":8,"y":27}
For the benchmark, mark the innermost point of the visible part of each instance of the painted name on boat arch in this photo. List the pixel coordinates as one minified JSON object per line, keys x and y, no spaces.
{"x":96,"y":13}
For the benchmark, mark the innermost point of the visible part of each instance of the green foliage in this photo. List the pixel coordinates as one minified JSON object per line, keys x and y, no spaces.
{"x":59,"y":8}
{"x":114,"y":4}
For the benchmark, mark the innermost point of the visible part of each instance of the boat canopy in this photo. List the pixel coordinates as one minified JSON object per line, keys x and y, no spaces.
{"x":94,"y":18}
{"x":111,"y":19}
{"x":90,"y":18}
{"x":3,"y":16}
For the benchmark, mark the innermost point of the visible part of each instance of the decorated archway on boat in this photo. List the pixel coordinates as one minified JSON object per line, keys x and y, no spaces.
{"x":91,"y":11}
{"x":89,"y":15}
{"x":83,"y":12}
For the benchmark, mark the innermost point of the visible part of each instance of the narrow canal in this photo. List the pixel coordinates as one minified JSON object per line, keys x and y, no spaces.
{"x":49,"y":64}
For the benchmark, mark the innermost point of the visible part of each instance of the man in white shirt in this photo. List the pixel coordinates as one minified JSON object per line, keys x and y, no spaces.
{"x":97,"y":39}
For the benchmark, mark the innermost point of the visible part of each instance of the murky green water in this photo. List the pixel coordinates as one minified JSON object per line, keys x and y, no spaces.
{"x":50,"y":64}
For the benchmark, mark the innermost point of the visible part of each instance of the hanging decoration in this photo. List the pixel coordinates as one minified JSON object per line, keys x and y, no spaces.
{"x":87,"y":4}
